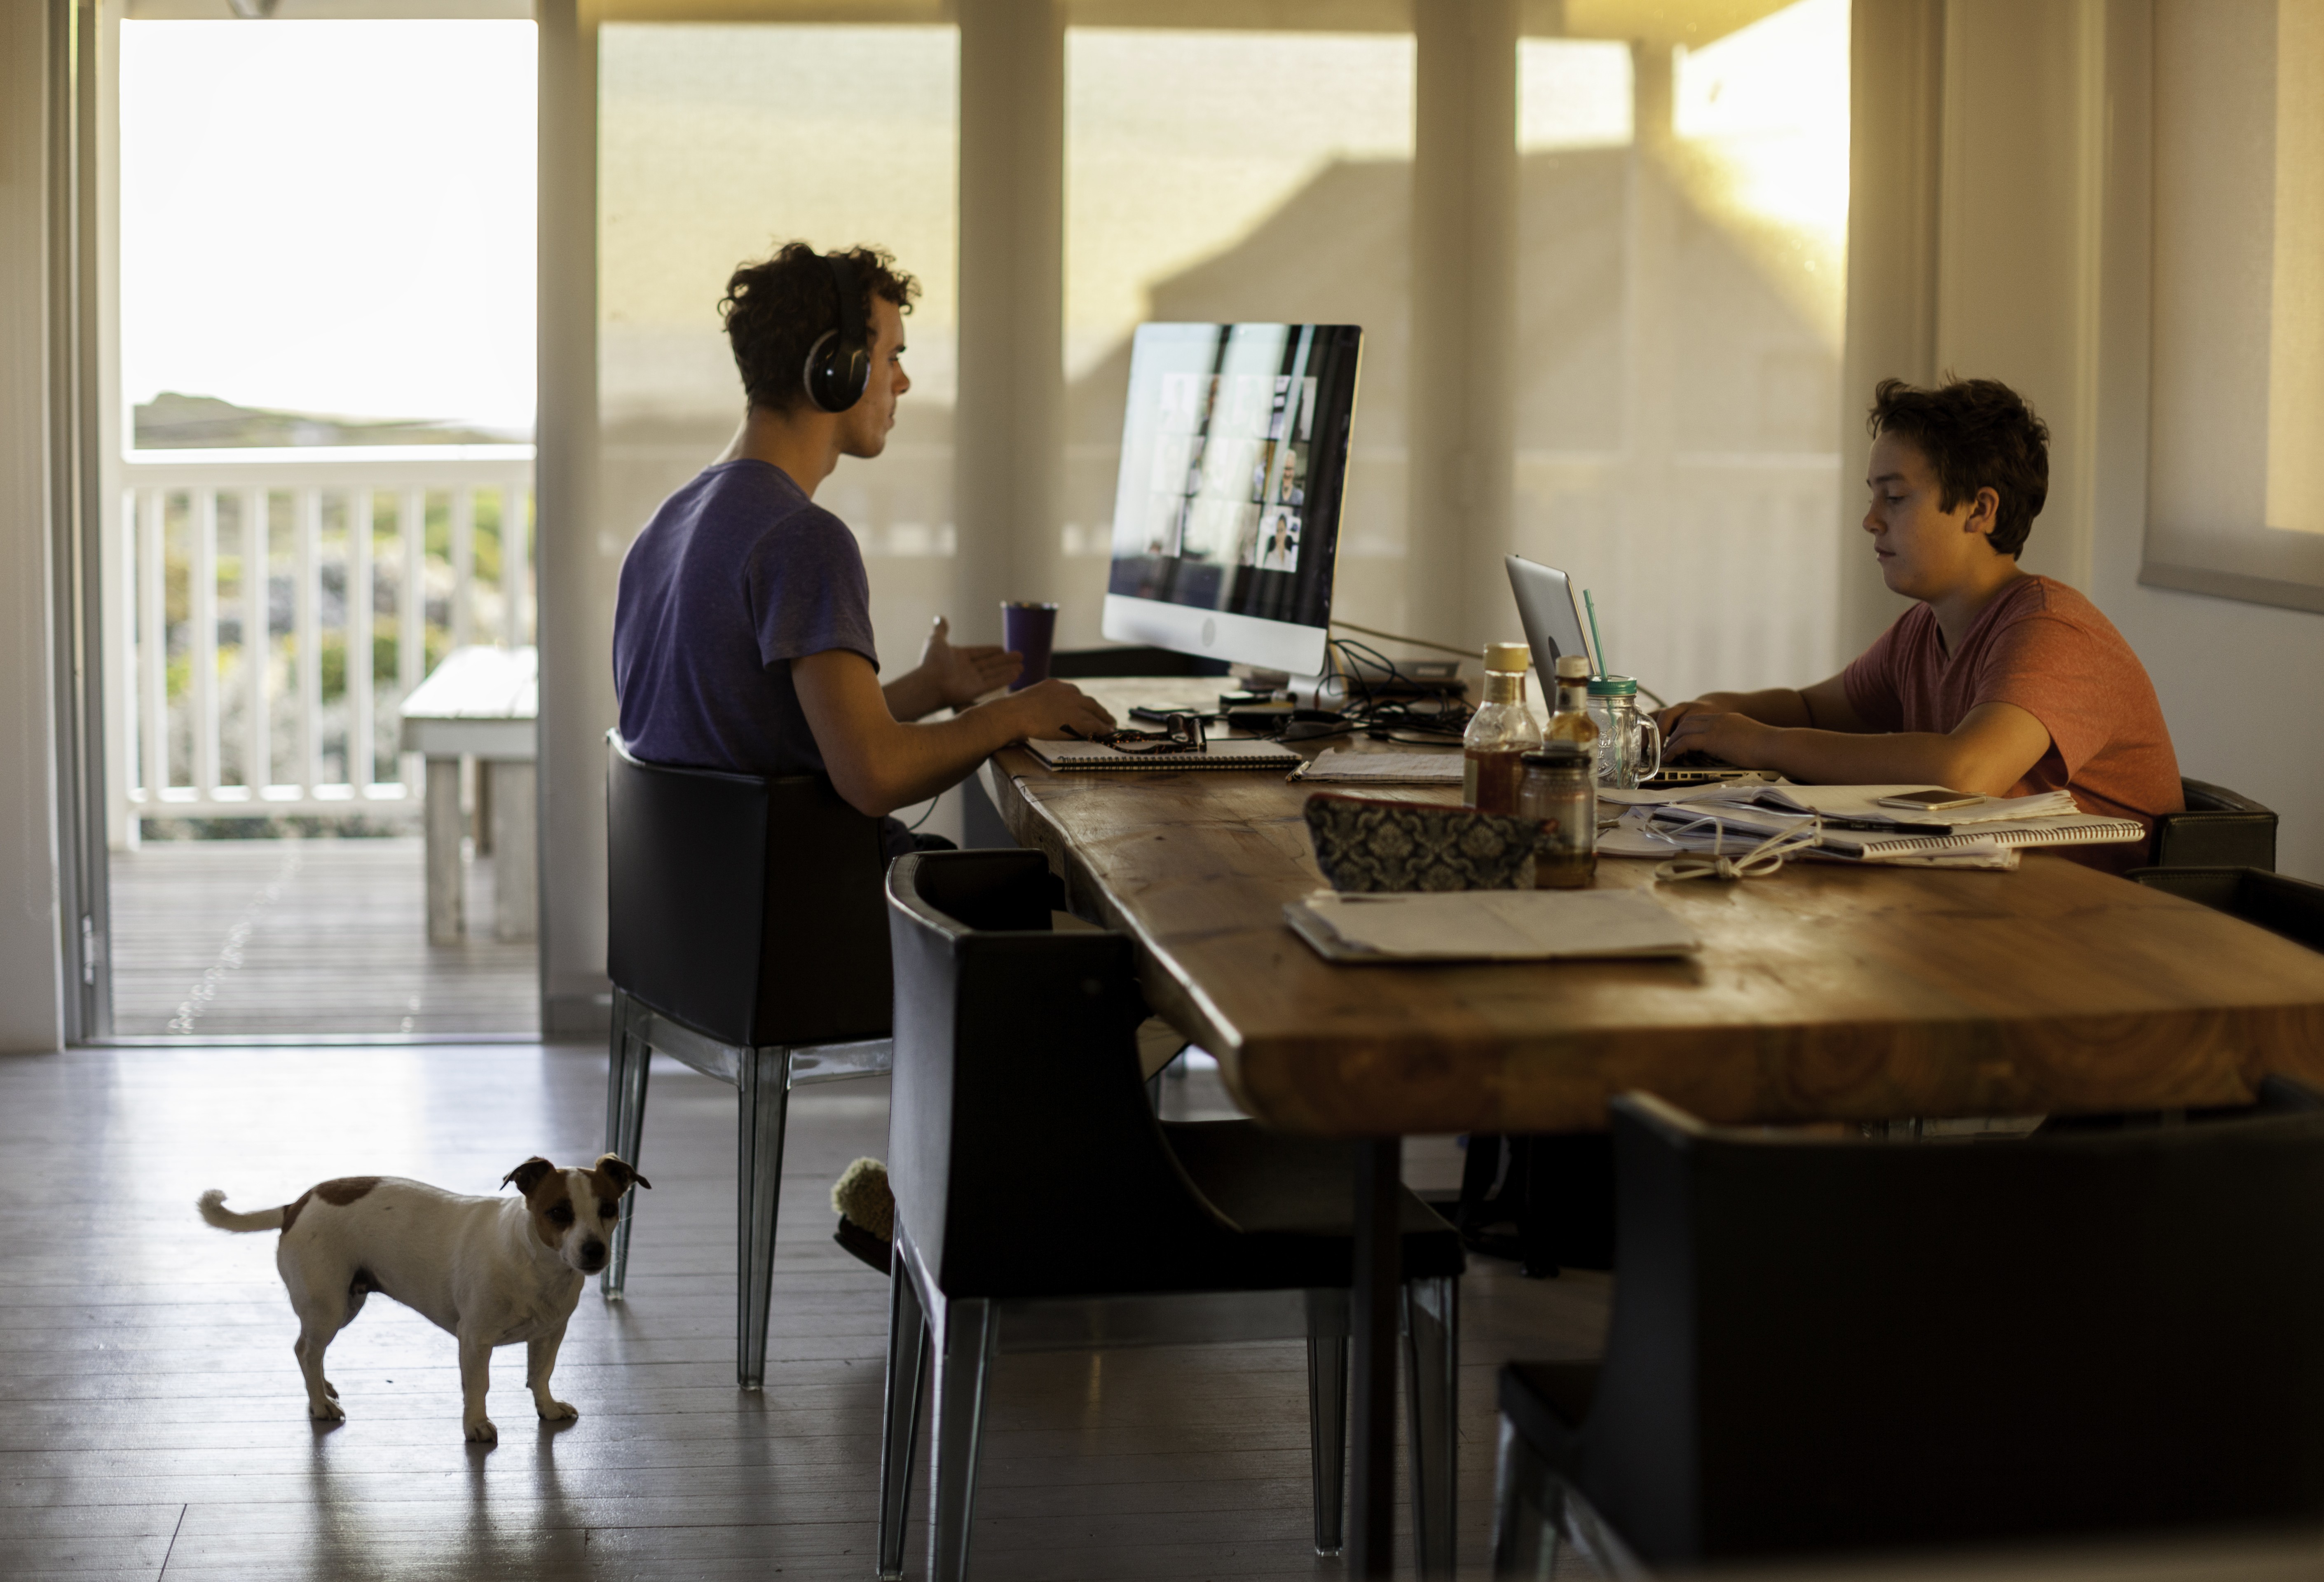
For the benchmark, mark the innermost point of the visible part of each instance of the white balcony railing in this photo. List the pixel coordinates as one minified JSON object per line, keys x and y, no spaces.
{"x":253,"y":593}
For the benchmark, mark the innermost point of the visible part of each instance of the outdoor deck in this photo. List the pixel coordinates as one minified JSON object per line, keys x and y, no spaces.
{"x":214,"y":938}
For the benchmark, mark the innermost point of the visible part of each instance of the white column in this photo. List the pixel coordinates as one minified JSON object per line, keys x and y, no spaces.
{"x":578,"y":565}
{"x":1463,"y":381}
{"x":257,"y":646}
{"x":152,"y":654}
{"x":411,"y":621}
{"x":360,"y":770}
{"x":1896,"y":131}
{"x":464,"y":561}
{"x":202,"y":613}
{"x":32,"y":959}
{"x":515,"y":565}
{"x":1009,"y":443}
{"x":2025,"y":128}
{"x":309,"y":638}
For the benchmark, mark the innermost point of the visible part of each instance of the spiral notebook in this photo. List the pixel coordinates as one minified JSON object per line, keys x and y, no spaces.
{"x":1838,"y":840}
{"x":1225,"y":753}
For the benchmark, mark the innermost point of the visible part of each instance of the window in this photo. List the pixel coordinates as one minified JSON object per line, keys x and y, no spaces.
{"x":718,"y":143}
{"x":1224,"y":176}
{"x":1682,"y":222}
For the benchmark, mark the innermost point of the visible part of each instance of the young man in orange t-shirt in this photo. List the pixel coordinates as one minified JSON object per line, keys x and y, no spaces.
{"x":1997,"y":682}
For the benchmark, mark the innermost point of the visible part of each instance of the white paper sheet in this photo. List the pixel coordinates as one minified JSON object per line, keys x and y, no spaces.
{"x":1339,"y":766}
{"x":1489,"y":925}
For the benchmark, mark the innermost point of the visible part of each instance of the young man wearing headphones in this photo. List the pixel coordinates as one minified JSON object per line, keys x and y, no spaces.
{"x":742,"y":628}
{"x":1997,"y":682}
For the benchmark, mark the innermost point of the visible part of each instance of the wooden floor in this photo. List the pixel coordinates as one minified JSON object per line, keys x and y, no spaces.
{"x":152,"y":1424}
{"x":273,"y":938}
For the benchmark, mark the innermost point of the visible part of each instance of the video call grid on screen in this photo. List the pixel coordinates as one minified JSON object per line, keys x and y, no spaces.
{"x":1233,"y":451}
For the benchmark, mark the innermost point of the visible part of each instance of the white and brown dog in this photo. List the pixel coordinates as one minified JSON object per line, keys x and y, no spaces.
{"x":492,"y":1271}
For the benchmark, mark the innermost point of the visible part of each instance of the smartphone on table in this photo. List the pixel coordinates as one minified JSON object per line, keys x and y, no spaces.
{"x":1930,"y":800}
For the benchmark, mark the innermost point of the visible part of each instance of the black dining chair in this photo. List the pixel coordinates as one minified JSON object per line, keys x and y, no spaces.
{"x":746,"y":937}
{"x":2292,"y":907}
{"x":2220,"y":829}
{"x":1824,"y":1344}
{"x":1040,"y":1206}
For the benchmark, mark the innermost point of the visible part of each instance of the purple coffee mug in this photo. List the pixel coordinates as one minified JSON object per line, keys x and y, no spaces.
{"x":1028,"y":630}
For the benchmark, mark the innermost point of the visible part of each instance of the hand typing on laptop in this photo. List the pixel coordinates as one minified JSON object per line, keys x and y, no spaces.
{"x":1996,"y":682}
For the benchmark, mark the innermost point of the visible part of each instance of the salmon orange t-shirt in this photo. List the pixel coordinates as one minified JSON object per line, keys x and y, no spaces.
{"x":2045,"y":648}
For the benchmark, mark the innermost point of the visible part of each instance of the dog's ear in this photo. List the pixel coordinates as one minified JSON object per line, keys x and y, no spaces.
{"x":620,"y":1173}
{"x":529,"y":1174}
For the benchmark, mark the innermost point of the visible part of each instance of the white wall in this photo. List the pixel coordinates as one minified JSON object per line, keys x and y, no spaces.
{"x":31,"y":965}
{"x":2242,"y":685}
{"x":2043,"y":266}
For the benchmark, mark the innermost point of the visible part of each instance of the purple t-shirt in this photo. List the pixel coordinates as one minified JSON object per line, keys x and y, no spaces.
{"x":737,"y":574}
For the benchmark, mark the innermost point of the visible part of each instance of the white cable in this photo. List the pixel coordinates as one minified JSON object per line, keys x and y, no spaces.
{"x":1761,"y":862}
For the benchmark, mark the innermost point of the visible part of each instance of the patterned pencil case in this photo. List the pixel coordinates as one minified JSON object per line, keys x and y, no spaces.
{"x":1370,"y":844}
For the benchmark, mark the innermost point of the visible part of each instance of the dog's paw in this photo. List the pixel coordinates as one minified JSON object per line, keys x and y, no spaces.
{"x":482,"y":1432}
{"x":560,"y":1412}
{"x":327,"y":1410}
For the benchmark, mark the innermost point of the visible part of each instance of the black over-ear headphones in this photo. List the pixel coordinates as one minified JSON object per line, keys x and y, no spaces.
{"x":839,"y":363}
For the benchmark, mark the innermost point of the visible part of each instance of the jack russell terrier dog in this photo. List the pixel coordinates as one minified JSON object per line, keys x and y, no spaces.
{"x":492,"y":1271}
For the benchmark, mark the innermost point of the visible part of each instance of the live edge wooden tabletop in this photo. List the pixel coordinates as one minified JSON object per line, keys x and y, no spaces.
{"x":1825,"y":992}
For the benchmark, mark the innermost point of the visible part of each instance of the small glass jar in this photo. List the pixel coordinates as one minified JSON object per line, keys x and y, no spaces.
{"x":1630,"y":743}
{"x":1560,"y":789}
{"x":1499,"y":733}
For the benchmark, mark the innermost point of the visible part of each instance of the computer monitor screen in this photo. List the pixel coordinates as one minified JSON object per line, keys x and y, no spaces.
{"x":1226,"y":517}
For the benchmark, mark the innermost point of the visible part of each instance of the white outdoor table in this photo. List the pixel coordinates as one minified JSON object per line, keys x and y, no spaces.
{"x":480,"y":702}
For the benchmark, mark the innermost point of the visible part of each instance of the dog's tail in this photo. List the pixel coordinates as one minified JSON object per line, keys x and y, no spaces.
{"x":214,"y":1209}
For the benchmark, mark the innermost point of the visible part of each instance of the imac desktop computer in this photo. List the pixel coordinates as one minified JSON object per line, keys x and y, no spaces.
{"x":1226,"y":517}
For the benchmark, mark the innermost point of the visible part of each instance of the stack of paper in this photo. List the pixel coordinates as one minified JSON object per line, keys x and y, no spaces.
{"x":1487,"y":925}
{"x":1852,"y":825}
{"x":1861,"y":804}
{"x":1341,"y":767}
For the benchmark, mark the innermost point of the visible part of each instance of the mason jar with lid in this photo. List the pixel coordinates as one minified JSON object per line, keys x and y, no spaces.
{"x":1560,"y":789}
{"x":1630,"y":743}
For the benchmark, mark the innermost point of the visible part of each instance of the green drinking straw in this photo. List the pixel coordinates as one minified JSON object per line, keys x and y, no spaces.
{"x":1594,"y":639}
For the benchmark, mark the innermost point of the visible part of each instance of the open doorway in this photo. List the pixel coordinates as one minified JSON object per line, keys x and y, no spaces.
{"x":319,"y":519}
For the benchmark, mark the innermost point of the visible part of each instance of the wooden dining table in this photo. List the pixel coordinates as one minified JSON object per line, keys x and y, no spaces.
{"x":1827,"y":991}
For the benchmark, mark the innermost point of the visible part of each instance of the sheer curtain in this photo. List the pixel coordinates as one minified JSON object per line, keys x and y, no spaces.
{"x":717,"y":143}
{"x":1684,"y":221}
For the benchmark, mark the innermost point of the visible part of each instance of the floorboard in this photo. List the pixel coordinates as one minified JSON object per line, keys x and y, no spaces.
{"x":323,"y":937}
{"x":152,"y":1424}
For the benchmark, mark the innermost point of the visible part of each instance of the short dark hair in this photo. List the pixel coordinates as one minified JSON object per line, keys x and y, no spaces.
{"x":1976,"y":433}
{"x":777,"y":310}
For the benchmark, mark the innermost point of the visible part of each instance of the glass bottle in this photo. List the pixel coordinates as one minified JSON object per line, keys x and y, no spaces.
{"x":1499,"y":734}
{"x":1573,"y":723}
{"x":1561,"y":790}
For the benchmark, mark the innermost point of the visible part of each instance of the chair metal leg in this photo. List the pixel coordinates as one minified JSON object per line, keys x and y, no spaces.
{"x":965,"y":1342}
{"x":1327,"y":1437}
{"x":1525,"y":1543}
{"x":758,"y":1186}
{"x":1431,"y":1356}
{"x":628,"y":1061}
{"x":1377,"y":1277}
{"x":907,"y":1350}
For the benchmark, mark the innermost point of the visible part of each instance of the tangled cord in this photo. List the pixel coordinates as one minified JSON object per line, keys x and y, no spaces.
{"x":1365,"y":712}
{"x":1760,"y":861}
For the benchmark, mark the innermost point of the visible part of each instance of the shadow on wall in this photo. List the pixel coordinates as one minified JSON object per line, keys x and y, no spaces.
{"x":1654,"y":359}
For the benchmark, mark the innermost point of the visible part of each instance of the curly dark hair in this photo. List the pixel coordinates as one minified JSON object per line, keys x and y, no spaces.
{"x":777,"y":310}
{"x":1976,"y":433}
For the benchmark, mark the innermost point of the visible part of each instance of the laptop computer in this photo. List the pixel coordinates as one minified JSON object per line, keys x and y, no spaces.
{"x":1554,"y":627}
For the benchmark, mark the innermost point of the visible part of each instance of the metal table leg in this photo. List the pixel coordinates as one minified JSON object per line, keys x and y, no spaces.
{"x":1372,"y":1314}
